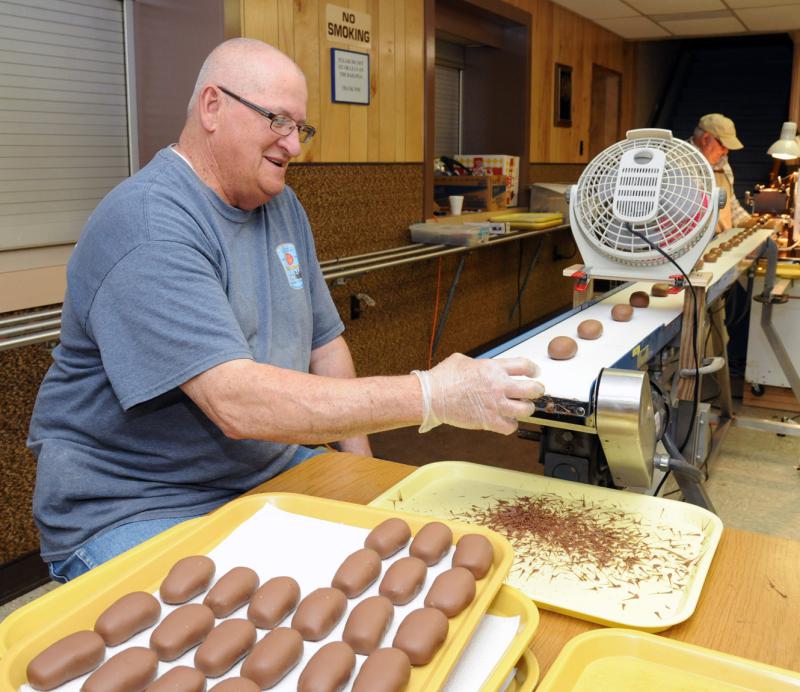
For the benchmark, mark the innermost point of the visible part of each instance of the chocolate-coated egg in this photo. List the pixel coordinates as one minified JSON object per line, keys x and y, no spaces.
{"x":621,"y":313}
{"x":590,"y":329}
{"x":562,"y":348}
{"x":660,"y":290}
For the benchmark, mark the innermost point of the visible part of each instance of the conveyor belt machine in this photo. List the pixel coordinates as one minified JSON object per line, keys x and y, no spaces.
{"x":644,"y":210}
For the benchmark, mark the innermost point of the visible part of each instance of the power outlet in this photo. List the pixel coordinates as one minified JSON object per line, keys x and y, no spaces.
{"x":355,"y":307}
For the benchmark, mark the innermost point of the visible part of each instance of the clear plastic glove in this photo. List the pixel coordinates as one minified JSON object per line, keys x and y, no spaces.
{"x":478,"y":394}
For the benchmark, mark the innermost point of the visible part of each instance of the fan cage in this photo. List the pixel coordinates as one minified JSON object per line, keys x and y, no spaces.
{"x":684,"y":204}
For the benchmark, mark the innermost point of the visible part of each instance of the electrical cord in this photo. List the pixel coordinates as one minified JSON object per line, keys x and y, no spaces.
{"x":519,"y":284}
{"x":661,"y":482}
{"x":695,"y":330}
{"x":677,"y":462}
{"x":435,"y":313}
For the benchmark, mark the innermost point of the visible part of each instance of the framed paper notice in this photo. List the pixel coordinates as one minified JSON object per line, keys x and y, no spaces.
{"x":349,"y":77}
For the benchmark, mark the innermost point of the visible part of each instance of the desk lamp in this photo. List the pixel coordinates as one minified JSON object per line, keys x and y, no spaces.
{"x":786,"y":147}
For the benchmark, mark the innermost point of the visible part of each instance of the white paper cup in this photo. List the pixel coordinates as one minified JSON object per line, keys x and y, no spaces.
{"x":456,"y":202}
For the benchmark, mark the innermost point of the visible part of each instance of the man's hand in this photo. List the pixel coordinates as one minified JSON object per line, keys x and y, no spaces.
{"x":479,"y":394}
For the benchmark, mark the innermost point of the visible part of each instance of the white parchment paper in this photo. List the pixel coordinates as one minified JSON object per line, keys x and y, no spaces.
{"x":274,"y":543}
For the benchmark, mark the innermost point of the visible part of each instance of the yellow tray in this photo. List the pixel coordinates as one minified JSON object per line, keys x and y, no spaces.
{"x":510,"y":602}
{"x":629,"y":661}
{"x":527,"y":674}
{"x":76,"y":605}
{"x":530,"y":220}
{"x":450,"y":489}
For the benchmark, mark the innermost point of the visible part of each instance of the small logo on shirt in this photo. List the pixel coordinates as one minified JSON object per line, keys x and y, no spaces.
{"x":287,"y":254}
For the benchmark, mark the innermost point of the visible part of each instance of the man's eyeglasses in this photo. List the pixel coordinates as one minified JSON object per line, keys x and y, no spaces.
{"x":717,"y":140}
{"x":280,"y":124}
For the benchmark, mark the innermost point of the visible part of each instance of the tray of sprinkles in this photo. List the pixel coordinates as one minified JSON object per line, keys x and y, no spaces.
{"x":598,"y":554}
{"x":273,"y":591}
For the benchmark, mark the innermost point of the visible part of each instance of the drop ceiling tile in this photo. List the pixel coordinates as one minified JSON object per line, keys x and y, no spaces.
{"x":705,"y":27}
{"x":782,"y":18}
{"x":598,"y":9}
{"x":675,"y":6}
{"x":633,"y":27}
{"x":737,"y":4}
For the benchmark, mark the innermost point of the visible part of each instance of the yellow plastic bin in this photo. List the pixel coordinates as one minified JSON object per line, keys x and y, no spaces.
{"x":629,"y":661}
{"x":455,"y":489}
{"x":510,"y":602}
{"x":76,"y":605}
{"x":530,"y":220}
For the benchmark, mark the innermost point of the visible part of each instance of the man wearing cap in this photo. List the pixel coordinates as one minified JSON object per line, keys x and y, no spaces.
{"x":715,"y":136}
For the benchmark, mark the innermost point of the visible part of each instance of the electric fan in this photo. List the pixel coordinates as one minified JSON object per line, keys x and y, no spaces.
{"x":647,"y":193}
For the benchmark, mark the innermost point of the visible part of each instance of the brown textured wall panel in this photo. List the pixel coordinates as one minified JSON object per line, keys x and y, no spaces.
{"x":358,"y":208}
{"x":23,"y":370}
{"x":355,"y":209}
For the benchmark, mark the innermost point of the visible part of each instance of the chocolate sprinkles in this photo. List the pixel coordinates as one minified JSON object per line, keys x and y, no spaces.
{"x":595,"y":543}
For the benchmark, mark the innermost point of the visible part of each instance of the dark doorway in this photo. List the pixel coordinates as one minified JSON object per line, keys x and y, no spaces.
{"x":604,"y":123}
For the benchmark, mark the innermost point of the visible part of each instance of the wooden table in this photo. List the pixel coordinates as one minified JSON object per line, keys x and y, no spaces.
{"x":749,"y":607}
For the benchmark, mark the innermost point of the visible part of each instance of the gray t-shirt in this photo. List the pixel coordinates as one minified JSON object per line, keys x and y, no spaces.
{"x":166,"y":282}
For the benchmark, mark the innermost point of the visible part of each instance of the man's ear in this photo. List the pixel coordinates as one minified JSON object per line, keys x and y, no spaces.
{"x":209,"y":102}
{"x":705,"y":142}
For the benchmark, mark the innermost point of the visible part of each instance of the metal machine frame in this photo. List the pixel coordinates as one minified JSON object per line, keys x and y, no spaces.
{"x":772,"y":295}
{"x":621,"y":422}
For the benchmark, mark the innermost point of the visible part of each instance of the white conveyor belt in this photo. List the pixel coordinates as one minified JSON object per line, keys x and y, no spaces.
{"x":573,"y":379}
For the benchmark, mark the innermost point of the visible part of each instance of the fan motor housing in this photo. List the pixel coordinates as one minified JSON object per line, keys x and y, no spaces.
{"x":637,"y":192}
{"x":656,"y":185}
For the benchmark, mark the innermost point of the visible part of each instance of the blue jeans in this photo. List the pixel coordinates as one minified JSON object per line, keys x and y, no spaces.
{"x":102,"y":548}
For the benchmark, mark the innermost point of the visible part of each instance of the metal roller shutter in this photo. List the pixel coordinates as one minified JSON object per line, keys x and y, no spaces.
{"x":448,"y":110}
{"x":63,"y":116}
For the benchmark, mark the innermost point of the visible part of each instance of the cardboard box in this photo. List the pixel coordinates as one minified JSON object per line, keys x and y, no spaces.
{"x":481,"y":192}
{"x":496,"y":164}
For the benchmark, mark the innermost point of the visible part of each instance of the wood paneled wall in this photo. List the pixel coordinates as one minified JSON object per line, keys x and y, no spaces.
{"x":390,"y":128}
{"x":560,"y":36}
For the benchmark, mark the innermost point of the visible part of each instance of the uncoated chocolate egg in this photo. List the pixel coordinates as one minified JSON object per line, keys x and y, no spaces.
{"x":562,"y":348}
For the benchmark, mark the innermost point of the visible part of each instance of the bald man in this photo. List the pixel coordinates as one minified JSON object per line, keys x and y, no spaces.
{"x":200,"y":348}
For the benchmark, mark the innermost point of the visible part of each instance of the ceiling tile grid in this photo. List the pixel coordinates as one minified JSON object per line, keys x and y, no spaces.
{"x":652,"y":19}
